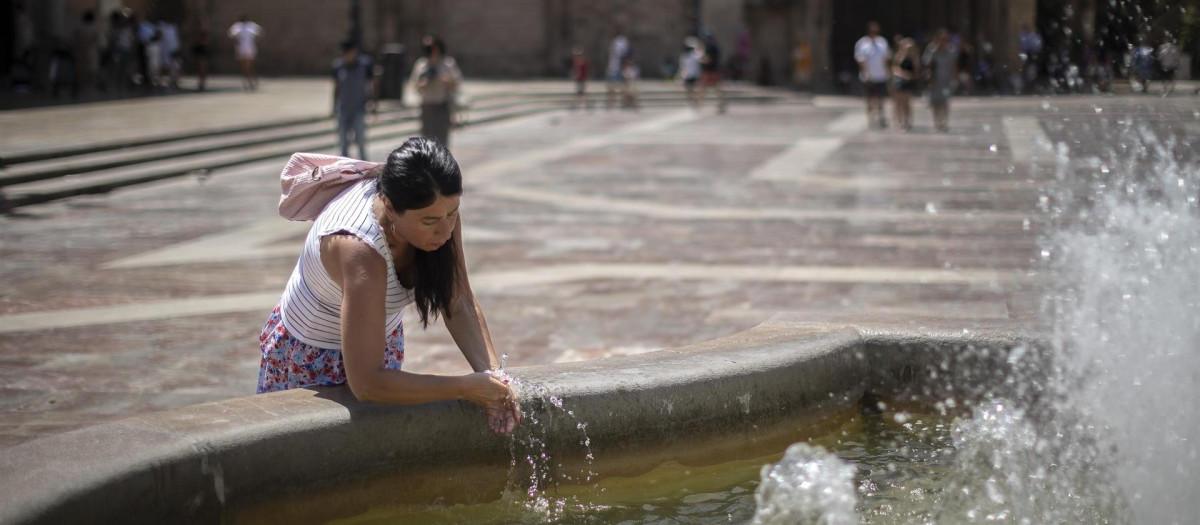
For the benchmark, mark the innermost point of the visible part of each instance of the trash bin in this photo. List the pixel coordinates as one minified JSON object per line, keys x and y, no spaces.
{"x":393,"y":75}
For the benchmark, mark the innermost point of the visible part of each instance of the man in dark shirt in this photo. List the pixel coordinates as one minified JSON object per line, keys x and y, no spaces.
{"x":710,"y":71}
{"x":353,"y":88}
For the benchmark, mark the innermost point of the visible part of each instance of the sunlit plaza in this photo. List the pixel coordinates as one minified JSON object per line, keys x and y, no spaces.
{"x":760,"y":301}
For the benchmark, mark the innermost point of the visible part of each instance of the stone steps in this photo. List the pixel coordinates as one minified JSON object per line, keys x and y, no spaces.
{"x":48,"y":176}
{"x":200,"y":164}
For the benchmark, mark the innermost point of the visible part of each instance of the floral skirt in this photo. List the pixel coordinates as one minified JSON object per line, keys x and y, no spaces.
{"x":288,"y":363}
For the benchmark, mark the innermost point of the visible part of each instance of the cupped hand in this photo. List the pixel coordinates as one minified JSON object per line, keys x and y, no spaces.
{"x":504,"y":417}
{"x":499,"y":401}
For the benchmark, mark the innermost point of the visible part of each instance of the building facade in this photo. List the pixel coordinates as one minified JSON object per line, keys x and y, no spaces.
{"x":769,"y":41}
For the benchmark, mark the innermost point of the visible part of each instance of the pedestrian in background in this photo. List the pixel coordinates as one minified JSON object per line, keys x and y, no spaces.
{"x":689,"y":67}
{"x":1029,"y":45}
{"x":353,"y":91}
{"x":801,"y":64}
{"x":579,"y":73}
{"x":872,"y":54}
{"x":154,"y":61}
{"x":87,"y":52}
{"x":630,"y":72}
{"x":710,"y":71}
{"x":904,"y":81}
{"x":965,"y":58}
{"x":1143,"y":63}
{"x":121,"y":47}
{"x":941,"y":65}
{"x":170,"y":53}
{"x":200,"y":53}
{"x":143,"y":31}
{"x":618,"y":48}
{"x":1168,"y":62}
{"x":436,"y":78}
{"x":246,"y":33}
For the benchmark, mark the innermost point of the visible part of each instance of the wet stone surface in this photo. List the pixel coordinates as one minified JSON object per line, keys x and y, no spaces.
{"x":589,"y":235}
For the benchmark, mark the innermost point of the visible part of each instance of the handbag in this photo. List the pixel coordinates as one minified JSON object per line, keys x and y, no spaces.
{"x":311,"y":180}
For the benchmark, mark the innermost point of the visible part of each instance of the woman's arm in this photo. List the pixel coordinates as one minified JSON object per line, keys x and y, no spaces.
{"x":466,"y":323}
{"x":468,"y":327}
{"x":362,"y":274}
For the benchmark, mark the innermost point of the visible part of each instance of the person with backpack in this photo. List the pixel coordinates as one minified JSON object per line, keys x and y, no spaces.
{"x":384,"y":237}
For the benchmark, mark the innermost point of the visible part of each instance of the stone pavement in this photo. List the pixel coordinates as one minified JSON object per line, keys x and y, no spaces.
{"x":588,"y":234}
{"x":224,"y":106}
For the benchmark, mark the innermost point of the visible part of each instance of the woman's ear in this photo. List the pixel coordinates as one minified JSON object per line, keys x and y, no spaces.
{"x":387,"y":206}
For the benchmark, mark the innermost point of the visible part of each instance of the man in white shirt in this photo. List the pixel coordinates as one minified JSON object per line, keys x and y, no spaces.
{"x":246,"y":34}
{"x":618,"y":50}
{"x":872,"y":54}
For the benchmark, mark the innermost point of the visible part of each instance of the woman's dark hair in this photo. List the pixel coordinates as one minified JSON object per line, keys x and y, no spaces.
{"x":414,"y":176}
{"x":431,"y":41}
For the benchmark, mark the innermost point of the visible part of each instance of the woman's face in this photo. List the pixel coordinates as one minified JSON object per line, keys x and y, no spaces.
{"x":428,"y":228}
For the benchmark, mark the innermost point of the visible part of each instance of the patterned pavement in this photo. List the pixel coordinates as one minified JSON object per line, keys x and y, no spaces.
{"x":588,"y":235}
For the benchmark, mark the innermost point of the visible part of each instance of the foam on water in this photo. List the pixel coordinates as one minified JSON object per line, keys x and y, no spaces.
{"x":809,"y":485}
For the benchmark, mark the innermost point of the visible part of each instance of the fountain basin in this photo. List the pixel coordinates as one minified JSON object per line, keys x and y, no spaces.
{"x":204,"y":462}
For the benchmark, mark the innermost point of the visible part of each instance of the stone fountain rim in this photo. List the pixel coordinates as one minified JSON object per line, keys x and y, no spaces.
{"x":185,"y":462}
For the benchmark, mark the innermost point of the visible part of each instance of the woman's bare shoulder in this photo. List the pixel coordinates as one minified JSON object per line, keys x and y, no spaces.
{"x":343,"y":253}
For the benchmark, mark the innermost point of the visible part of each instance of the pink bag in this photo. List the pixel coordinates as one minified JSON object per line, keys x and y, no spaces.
{"x":311,"y":180}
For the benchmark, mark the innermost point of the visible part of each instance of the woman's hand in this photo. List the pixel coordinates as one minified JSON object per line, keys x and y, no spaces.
{"x":498,"y":400}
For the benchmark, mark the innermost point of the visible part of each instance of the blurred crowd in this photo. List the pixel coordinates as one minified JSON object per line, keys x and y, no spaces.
{"x":1045,"y":68}
{"x":133,"y":54}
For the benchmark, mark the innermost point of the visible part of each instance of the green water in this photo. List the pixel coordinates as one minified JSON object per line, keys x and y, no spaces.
{"x":902,"y":461}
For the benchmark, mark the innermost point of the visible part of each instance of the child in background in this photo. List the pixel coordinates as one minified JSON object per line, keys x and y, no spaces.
{"x":579,"y":72}
{"x":630,"y":72}
{"x":175,"y":70}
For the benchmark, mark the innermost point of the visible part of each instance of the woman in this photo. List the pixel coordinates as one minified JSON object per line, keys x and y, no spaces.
{"x":436,"y":78}
{"x":379,"y":245}
{"x":246,"y":33}
{"x":941,"y":61}
{"x":904,"y":81}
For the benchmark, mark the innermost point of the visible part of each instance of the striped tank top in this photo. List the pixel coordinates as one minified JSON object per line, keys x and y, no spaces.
{"x":311,"y":306}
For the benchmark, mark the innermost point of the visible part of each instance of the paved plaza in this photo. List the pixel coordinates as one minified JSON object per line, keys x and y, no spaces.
{"x":589,"y":234}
